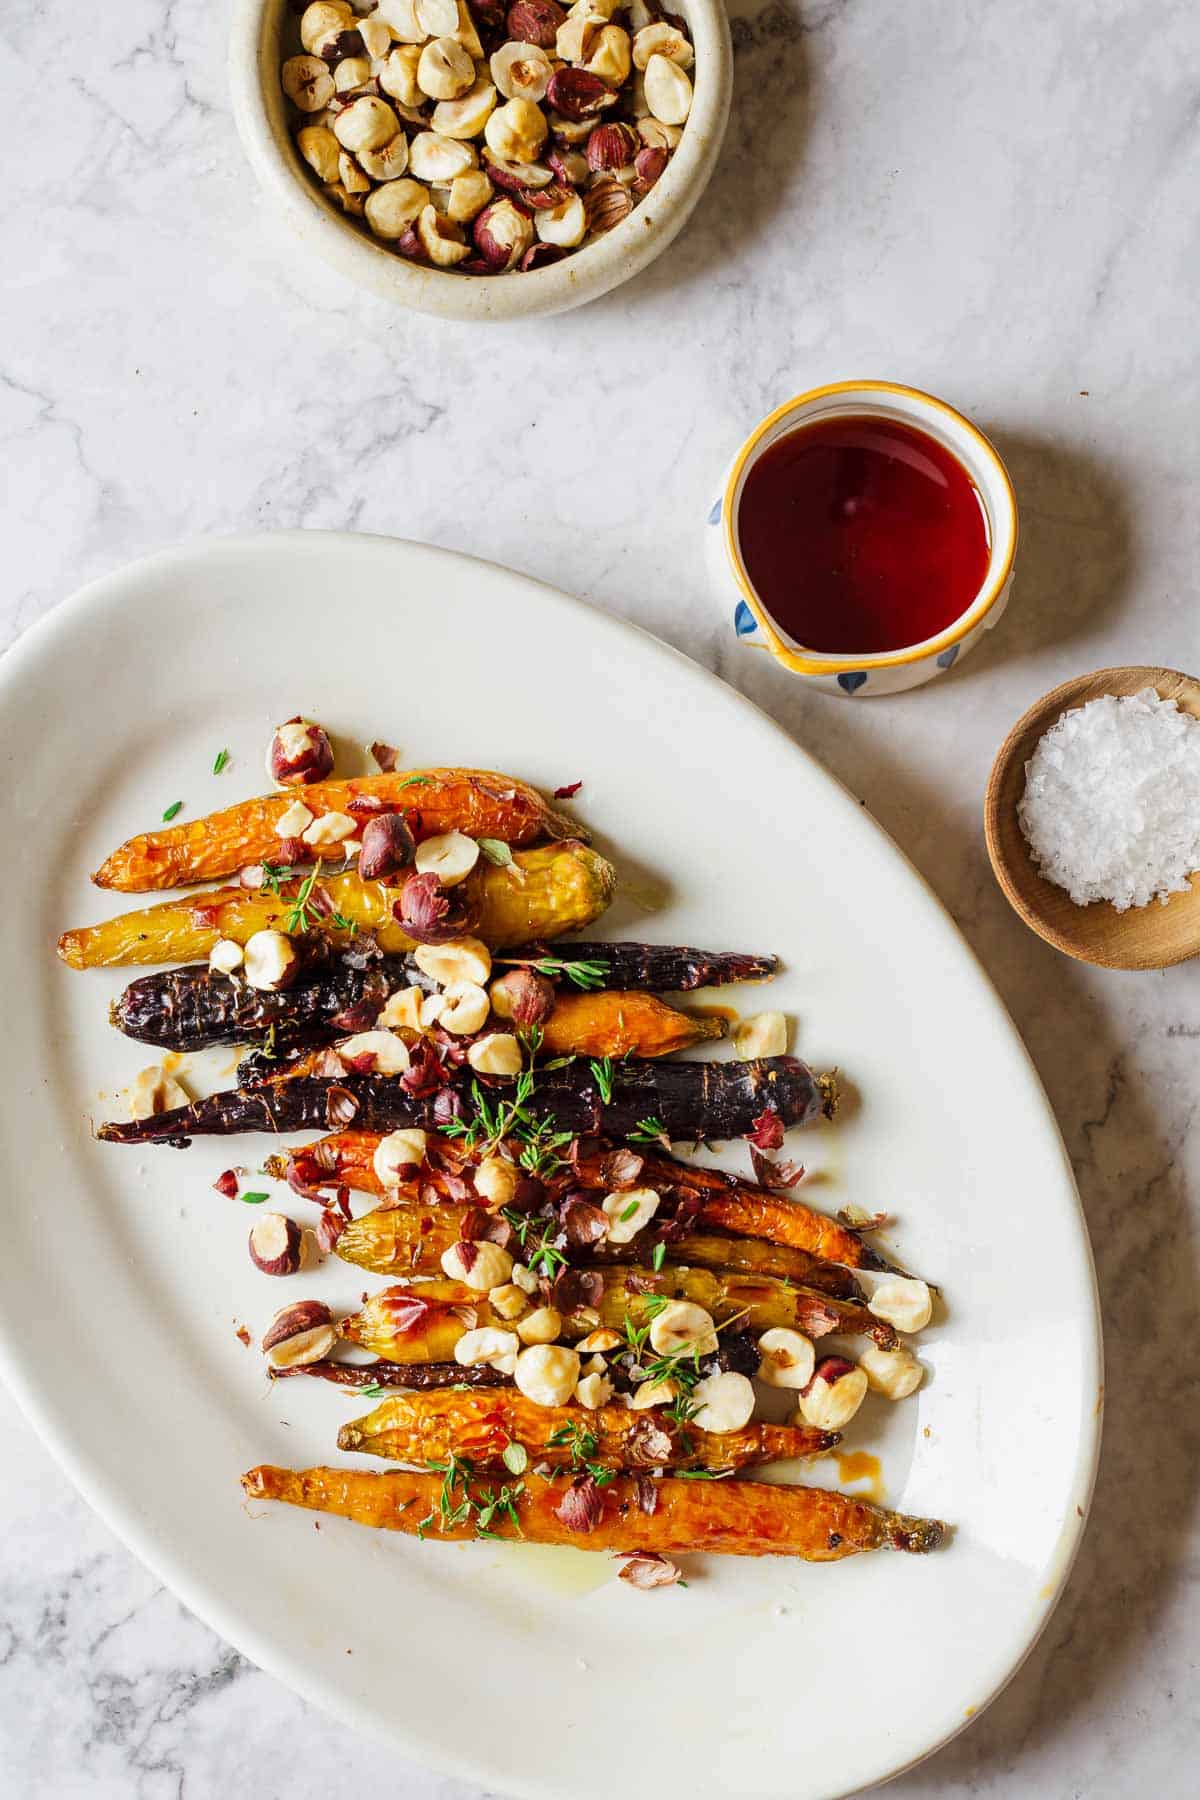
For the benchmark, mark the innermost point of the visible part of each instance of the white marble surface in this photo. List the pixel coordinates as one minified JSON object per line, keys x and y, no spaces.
{"x":995,"y":201}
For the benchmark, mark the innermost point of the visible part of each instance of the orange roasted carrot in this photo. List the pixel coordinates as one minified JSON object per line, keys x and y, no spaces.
{"x":731,"y":1518}
{"x":614,"y":1023}
{"x":604,"y":1024}
{"x":474,"y":801}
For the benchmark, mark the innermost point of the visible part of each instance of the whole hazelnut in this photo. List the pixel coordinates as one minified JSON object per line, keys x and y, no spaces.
{"x":649,"y":165}
{"x":517,"y":130}
{"x":299,"y":753}
{"x":276,"y":1244}
{"x":523,"y":996}
{"x":307,"y":83}
{"x":611,"y":146}
{"x":535,"y":22}
{"x":503,"y":234}
{"x":387,"y":845}
{"x":430,"y":912}
{"x":606,"y":204}
{"x":392,"y":211}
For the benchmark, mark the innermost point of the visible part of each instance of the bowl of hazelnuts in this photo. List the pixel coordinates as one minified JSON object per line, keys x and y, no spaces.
{"x":480,"y":159}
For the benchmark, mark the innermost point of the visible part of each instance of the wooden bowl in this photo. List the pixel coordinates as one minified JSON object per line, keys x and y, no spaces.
{"x":1144,"y":937}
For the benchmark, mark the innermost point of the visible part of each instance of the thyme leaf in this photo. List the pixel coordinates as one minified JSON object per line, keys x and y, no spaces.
{"x":221,"y":759}
{"x":169,"y":813}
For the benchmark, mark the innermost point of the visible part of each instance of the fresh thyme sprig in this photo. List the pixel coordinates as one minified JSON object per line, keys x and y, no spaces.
{"x":581,"y":1444}
{"x":456,"y":1504}
{"x":298,"y":919}
{"x":648,"y":1131}
{"x":580,"y":972}
{"x":538,"y":1140}
{"x":602,"y":1075}
{"x":538,"y":1253}
{"x":490,"y":1125}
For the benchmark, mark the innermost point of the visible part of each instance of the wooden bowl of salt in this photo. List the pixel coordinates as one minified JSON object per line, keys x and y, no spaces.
{"x":1109,"y":806}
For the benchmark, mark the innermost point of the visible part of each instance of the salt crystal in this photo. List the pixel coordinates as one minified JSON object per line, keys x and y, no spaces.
{"x":1111,"y":809}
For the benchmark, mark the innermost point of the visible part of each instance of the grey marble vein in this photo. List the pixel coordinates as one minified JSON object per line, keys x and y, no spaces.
{"x":997,"y":202}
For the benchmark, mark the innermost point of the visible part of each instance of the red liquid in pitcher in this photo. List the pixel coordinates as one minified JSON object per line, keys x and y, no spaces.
{"x":862,"y":535}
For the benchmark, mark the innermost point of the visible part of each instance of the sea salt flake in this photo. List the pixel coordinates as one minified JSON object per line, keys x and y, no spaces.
{"x":1111,"y":809}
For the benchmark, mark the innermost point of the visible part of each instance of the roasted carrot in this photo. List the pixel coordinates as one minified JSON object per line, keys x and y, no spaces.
{"x":409,"y":1238}
{"x":344,"y":1159}
{"x":736,"y":1350}
{"x":193,"y":1007}
{"x":561,"y":886}
{"x":656,"y":968}
{"x":731,"y":1518}
{"x":422,"y":1322}
{"x":742,"y":1207}
{"x":422,"y":1376}
{"x":580,"y":1025}
{"x":688,"y":1100}
{"x":426,"y":1428}
{"x":622,"y":1024}
{"x":474,"y":801}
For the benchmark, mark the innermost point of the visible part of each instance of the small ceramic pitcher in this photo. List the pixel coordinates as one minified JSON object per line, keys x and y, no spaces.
{"x":888,"y":672}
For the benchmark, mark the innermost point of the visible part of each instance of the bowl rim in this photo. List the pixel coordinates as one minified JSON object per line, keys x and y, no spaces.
{"x":602,"y":266}
{"x":813,"y":662}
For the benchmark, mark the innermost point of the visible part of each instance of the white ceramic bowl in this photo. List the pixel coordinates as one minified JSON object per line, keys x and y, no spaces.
{"x":255,"y":56}
{"x":889,"y":672}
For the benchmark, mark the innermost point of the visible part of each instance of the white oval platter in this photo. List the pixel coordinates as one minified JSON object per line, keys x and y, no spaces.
{"x":124,"y":1276}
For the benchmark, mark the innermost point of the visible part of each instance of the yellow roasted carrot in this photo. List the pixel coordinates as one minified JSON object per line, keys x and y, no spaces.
{"x":408,"y":1237}
{"x":546,"y":891}
{"x":429,"y":1427}
{"x":422,"y":1321}
{"x":474,"y":801}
